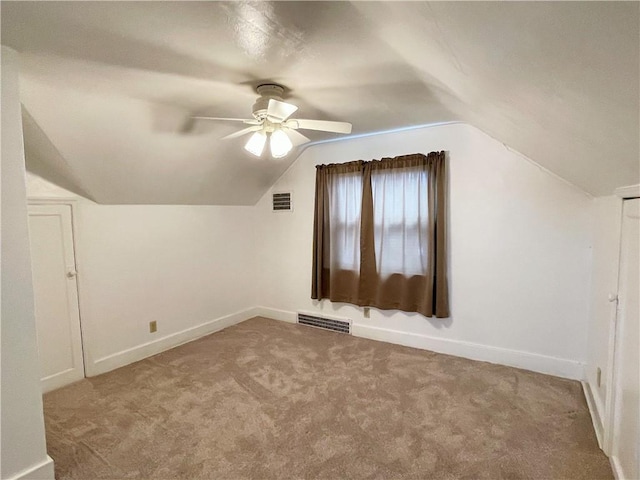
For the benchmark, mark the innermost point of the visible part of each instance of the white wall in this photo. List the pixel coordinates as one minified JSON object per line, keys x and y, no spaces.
{"x":183,"y":266}
{"x":23,"y":442}
{"x":604,"y":281}
{"x":519,"y":253}
{"x":190,"y":268}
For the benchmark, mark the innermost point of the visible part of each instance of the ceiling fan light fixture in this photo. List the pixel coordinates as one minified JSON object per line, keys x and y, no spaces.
{"x":280,"y":144}
{"x":255,"y":145}
{"x":271,"y":122}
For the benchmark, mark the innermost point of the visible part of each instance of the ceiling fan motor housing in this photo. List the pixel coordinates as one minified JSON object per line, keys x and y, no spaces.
{"x":266,"y":91}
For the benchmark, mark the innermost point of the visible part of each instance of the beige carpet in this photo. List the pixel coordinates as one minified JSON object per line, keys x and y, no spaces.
{"x":267,"y":399}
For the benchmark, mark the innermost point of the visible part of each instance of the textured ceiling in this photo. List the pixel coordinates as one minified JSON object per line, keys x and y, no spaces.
{"x":108,"y":88}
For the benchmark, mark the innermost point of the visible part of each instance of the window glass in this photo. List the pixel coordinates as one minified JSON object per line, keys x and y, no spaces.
{"x":400,"y":220}
{"x":345,"y":204}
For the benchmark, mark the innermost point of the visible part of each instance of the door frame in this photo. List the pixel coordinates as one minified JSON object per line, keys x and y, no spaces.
{"x":72,"y":203}
{"x":623,"y":193}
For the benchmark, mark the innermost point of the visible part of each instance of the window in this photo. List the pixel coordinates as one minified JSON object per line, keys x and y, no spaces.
{"x":379,"y":234}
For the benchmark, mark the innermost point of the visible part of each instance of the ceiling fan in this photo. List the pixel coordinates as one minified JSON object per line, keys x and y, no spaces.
{"x":271,"y":122}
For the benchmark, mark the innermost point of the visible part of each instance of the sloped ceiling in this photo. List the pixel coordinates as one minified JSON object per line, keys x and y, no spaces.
{"x":108,"y":88}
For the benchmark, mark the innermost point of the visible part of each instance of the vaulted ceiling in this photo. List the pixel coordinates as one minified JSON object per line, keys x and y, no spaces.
{"x":109,"y":88}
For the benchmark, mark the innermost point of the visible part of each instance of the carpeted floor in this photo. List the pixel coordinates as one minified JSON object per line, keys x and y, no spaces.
{"x":267,"y":399}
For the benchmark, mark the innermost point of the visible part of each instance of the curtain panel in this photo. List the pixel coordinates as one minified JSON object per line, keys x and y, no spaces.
{"x":379,"y":234}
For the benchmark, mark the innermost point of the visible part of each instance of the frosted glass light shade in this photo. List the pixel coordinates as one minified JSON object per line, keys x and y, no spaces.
{"x":280,"y":144}
{"x":255,"y":145}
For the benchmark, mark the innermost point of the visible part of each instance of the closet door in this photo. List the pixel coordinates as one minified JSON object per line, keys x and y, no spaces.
{"x":625,"y":438}
{"x":55,"y":295}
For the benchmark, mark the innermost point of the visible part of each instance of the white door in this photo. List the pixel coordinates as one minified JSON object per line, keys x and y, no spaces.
{"x":56,"y":295}
{"x":625,"y":440}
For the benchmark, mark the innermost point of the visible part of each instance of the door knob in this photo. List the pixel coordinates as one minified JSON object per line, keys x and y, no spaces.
{"x":71,"y":273}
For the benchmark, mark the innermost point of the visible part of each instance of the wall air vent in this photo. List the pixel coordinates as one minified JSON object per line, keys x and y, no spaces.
{"x":282,"y":202}
{"x":342,"y":326}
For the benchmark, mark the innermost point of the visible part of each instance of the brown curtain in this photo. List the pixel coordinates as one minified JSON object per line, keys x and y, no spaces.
{"x":380,"y":234}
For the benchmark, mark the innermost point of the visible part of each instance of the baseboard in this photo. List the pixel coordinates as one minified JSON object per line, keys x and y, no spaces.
{"x":474,"y":351}
{"x":275,"y":314}
{"x":513,"y":358}
{"x":596,"y":419}
{"x":42,"y":471}
{"x":617,"y":469}
{"x":559,"y":367}
{"x":140,"y":352}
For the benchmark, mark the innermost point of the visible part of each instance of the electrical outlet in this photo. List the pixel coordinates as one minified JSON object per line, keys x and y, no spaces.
{"x":367,"y":312}
{"x":598,"y":376}
{"x":153,"y":327}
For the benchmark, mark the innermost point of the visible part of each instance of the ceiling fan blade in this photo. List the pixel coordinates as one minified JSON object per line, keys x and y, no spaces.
{"x":249,"y":121}
{"x":296,"y":137}
{"x":242,"y":132}
{"x":278,"y":111}
{"x":322,"y":125}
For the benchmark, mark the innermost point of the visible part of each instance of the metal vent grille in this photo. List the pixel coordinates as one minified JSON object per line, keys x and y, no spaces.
{"x":282,"y":202}
{"x":325,"y":323}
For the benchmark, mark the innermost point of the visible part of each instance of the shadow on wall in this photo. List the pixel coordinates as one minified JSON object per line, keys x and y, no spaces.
{"x":44,"y":159}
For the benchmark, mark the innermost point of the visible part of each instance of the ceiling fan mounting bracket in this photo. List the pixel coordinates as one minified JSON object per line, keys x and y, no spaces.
{"x":267,"y":91}
{"x":270,"y":90}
